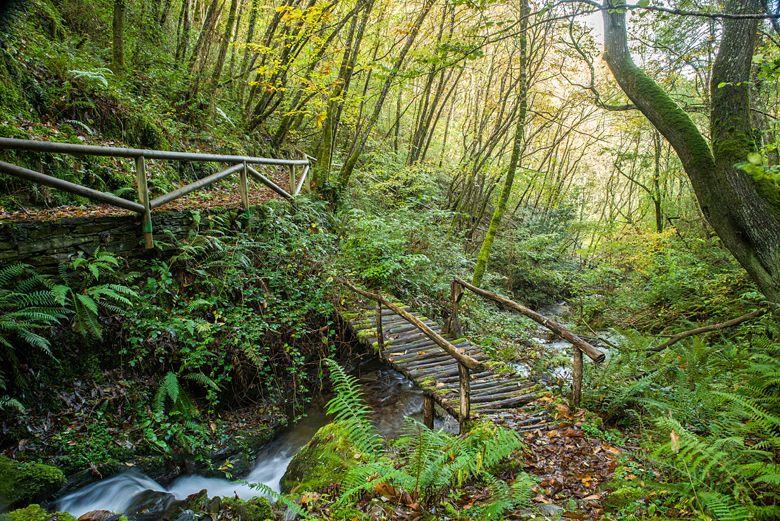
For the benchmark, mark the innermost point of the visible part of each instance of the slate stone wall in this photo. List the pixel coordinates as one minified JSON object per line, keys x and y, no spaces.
{"x":46,"y":244}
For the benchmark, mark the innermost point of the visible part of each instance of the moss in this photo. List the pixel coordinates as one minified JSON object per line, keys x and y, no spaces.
{"x":36,"y":513}
{"x":321,"y":462}
{"x":22,"y":483}
{"x":255,"y":509}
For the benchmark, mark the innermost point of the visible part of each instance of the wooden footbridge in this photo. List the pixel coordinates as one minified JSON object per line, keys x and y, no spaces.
{"x":452,"y":371}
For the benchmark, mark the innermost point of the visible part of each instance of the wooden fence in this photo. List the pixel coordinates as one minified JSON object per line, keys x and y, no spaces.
{"x":244,"y":166}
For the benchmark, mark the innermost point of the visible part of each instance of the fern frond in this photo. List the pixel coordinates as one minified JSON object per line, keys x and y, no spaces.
{"x":348,"y":408}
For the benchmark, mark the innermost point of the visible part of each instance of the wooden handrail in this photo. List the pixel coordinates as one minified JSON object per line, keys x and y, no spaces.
{"x":465,"y":362}
{"x":593,"y":352}
{"x":144,"y":206}
{"x":446,"y":345}
{"x":580,"y":345}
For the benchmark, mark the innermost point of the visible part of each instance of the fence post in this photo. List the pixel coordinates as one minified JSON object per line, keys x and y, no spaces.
{"x":143,"y":198}
{"x":465,"y":400}
{"x":243,"y":188}
{"x":380,"y":334}
{"x":292,"y":180}
{"x":576,"y":384}
{"x":428,"y":411}
{"x":453,"y":324}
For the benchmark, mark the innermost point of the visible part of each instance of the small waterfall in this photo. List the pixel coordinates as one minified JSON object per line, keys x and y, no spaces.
{"x":391,"y":395}
{"x":116,"y":494}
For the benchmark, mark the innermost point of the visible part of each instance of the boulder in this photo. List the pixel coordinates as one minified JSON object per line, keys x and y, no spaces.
{"x":321,"y":462}
{"x":255,"y":509}
{"x":99,"y":515}
{"x":24,"y":483}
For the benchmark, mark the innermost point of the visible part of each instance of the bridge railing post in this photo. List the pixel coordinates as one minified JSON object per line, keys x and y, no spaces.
{"x":453,"y":324}
{"x":428,"y":411}
{"x":576,"y":383}
{"x":143,"y":198}
{"x":465,"y":399}
{"x":293,"y":180}
{"x":380,"y":334}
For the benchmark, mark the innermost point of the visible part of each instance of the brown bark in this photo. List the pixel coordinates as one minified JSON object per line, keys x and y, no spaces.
{"x":745,"y":215}
{"x":707,"y":329}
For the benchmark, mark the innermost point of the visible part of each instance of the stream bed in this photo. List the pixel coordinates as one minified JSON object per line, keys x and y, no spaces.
{"x":392,"y":396}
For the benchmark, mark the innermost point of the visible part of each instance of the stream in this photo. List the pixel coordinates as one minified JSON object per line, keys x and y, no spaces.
{"x":392,"y":396}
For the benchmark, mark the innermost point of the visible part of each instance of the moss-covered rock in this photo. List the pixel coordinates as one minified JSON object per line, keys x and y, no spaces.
{"x":36,"y":513}
{"x":23,"y":483}
{"x":321,"y":462}
{"x":255,"y":509}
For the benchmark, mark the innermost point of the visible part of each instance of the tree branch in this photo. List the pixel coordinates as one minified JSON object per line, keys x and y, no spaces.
{"x":706,"y":329}
{"x":679,"y":12}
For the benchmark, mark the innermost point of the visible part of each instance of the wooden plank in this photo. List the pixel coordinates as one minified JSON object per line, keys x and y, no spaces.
{"x":466,"y":360}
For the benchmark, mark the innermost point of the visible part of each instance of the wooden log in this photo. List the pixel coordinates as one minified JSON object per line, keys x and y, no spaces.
{"x":445,"y":344}
{"x":509,"y":402}
{"x":143,"y":198}
{"x":428,"y":411}
{"x":195,"y":185}
{"x":267,"y":182}
{"x":302,"y":180}
{"x":474,"y":376}
{"x":593,"y":352}
{"x":243,"y":188}
{"x":708,"y":328}
{"x":453,"y":324}
{"x":576,"y":379}
{"x":495,"y":397}
{"x":67,"y":186}
{"x":465,"y":399}
{"x":380,"y":334}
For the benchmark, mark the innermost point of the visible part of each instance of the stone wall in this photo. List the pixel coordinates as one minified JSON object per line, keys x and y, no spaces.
{"x":46,"y":244}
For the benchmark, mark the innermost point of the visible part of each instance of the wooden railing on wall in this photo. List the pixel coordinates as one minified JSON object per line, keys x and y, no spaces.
{"x":241,"y":165}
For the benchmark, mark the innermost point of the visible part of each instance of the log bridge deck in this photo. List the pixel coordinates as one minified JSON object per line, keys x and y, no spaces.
{"x":452,"y":371}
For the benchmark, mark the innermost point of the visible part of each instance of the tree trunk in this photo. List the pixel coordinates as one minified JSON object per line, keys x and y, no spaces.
{"x":250,"y":34}
{"x":744,"y":214}
{"x":223,"y":48}
{"x":182,"y":45}
{"x":321,"y":174}
{"x":349,"y":165}
{"x":498,"y":213}
{"x":118,"y":27}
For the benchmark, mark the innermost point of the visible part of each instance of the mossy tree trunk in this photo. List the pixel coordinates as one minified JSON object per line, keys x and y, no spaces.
{"x":744,"y":214}
{"x":517,"y":150}
{"x":330,"y":123}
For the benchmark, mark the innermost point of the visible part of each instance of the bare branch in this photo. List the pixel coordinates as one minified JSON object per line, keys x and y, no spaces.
{"x":706,"y":329}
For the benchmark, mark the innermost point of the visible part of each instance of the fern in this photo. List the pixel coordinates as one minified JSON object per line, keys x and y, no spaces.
{"x":28,"y":307}
{"x":348,"y":408}
{"x":292,"y":507}
{"x":169,"y":389}
{"x":428,"y":463}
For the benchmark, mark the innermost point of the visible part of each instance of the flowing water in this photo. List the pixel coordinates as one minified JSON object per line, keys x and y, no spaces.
{"x":392,"y":396}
